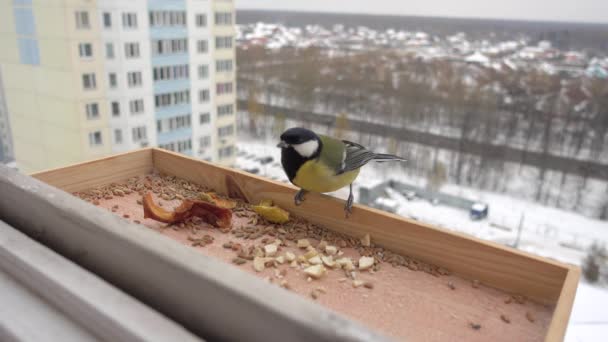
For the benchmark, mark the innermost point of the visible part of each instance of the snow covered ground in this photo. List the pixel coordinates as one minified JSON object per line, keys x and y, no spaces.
{"x":589,"y":318}
{"x":546,"y":231}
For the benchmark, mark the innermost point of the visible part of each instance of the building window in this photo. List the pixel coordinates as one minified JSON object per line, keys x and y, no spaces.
{"x":205,"y":141}
{"x":172,"y":99}
{"x":224,"y":110}
{"x":136,"y":106}
{"x":82,"y":20}
{"x":184,"y":145}
{"x":85,"y":50}
{"x":225,"y":152}
{"x":107,"y":20}
{"x":204,"y":118}
{"x":132,"y":50}
{"x":139,"y":134}
{"x":109,"y":51}
{"x":112,"y":80}
{"x":203,"y":72}
{"x":224,"y":88}
{"x":201,"y":20}
{"x":225,"y":131}
{"x":174,"y":123}
{"x":223,"y":42}
{"x":118,"y":136}
{"x":173,"y":72}
{"x":129,"y":20}
{"x":88,"y":81}
{"x":169,"y":46}
{"x":202,"y":46}
{"x":180,"y":146}
{"x":223,"y":65}
{"x":92,"y":111}
{"x":223,"y":18}
{"x":203,"y":95}
{"x":134,"y":79}
{"x":95,"y":138}
{"x":115,"y":108}
{"x":167,"y":18}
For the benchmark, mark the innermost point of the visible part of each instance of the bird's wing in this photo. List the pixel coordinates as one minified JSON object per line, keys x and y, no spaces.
{"x":355,"y":156}
{"x":333,"y":152}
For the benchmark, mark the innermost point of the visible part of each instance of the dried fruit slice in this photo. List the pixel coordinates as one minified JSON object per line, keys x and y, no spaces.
{"x":210,"y":213}
{"x":271,"y":212}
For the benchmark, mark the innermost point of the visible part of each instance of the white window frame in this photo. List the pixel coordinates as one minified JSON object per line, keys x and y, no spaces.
{"x":89,"y":81}
{"x":132,"y":50}
{"x":92,"y":111}
{"x":95,"y":139}
{"x":118,"y":136}
{"x":106,"y":18}
{"x":115,"y":109}
{"x":134,"y":79}
{"x":203,"y":96}
{"x":223,"y":18}
{"x":203,"y":72}
{"x":225,"y":131}
{"x":136,"y":106}
{"x":83,"y":21}
{"x":204,"y":118}
{"x":112,"y":80}
{"x":201,"y":20}
{"x":129,"y":20}
{"x":85,"y":50}
{"x":139,"y":134}
{"x":110,"y":54}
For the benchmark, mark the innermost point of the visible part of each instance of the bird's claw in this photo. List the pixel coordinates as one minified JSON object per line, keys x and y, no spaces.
{"x":348,"y":208}
{"x":299,"y":198}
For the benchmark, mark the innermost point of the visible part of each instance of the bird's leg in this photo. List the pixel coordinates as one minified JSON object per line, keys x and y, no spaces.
{"x":348,"y":208}
{"x":299,"y":198}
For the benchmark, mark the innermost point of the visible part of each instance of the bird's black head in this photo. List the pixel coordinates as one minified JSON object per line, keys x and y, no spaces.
{"x":298,"y":135}
{"x":298,"y":145}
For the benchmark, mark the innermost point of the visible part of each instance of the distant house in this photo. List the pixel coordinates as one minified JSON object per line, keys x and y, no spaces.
{"x":477,"y":58}
{"x":596,"y":71}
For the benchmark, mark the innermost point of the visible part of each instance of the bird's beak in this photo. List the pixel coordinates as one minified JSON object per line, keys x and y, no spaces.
{"x":282,"y":144}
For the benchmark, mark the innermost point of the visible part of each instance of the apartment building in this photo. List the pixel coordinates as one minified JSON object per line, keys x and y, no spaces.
{"x":6,"y":140}
{"x":87,"y":78}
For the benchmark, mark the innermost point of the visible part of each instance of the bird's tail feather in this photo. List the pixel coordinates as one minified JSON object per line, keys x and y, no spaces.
{"x":383,"y":157}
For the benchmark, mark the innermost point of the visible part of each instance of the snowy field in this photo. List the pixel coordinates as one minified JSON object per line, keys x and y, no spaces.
{"x":546,"y":231}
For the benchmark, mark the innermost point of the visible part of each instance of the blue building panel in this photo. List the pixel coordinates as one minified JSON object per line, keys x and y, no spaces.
{"x":167,"y":5}
{"x":176,"y":135}
{"x":168,"y":32}
{"x":172,"y":111}
{"x":24,"y":21}
{"x":176,"y":59}
{"x":162,"y":87}
{"x":28,"y":51}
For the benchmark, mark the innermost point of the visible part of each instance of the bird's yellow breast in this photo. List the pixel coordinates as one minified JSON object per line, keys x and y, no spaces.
{"x":316,"y":177}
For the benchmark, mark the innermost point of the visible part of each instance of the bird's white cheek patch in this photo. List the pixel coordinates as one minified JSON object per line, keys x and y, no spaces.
{"x":307,"y":149}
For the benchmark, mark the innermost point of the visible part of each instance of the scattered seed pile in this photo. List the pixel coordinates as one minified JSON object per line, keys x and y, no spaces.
{"x":299,"y":255}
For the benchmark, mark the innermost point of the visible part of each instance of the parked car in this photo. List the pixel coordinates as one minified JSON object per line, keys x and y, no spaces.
{"x":478,"y":211}
{"x":265,"y":160}
{"x":253,"y":170}
{"x":409,"y":195}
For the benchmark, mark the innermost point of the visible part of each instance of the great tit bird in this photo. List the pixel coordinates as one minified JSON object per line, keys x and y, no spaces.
{"x":319,"y":163}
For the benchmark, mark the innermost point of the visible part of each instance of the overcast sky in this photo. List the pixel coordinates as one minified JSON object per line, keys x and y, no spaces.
{"x":554,"y":10}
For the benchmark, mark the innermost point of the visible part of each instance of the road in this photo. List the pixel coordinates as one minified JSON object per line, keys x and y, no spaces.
{"x":498,"y":152}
